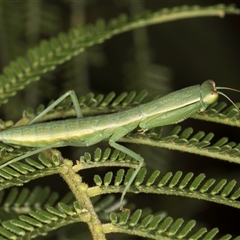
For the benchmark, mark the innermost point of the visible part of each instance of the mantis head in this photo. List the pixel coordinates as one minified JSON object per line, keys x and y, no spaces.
{"x":210,"y":93}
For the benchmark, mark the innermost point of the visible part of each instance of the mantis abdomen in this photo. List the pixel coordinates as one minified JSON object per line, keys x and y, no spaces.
{"x":78,"y":131}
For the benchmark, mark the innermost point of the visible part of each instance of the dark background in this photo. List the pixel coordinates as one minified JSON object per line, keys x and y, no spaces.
{"x":160,"y":58}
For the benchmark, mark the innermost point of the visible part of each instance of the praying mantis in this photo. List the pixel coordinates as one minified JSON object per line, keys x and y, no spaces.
{"x":85,"y":131}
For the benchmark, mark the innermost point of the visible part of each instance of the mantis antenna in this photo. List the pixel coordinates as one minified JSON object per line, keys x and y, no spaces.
{"x":229,"y":99}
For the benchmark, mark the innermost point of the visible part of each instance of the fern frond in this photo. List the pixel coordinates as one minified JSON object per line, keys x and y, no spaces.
{"x":222,"y":191}
{"x":188,"y":141}
{"x":17,"y":174}
{"x":107,"y":158}
{"x":49,"y":54}
{"x":220,"y":113}
{"x":155,"y":227}
{"x":22,"y":201}
{"x":40,"y":222}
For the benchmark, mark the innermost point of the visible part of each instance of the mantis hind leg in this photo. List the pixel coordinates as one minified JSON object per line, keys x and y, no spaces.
{"x":76,"y":106}
{"x":29,"y":154}
{"x":112,"y":142}
{"x":73,"y":96}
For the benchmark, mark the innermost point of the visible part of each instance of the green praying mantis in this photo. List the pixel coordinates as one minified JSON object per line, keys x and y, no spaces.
{"x":85,"y":131}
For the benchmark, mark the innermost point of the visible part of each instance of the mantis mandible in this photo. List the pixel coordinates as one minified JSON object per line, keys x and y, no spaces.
{"x":81,"y":132}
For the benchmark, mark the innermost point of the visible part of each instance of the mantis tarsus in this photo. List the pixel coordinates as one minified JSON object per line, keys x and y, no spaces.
{"x":81,"y":132}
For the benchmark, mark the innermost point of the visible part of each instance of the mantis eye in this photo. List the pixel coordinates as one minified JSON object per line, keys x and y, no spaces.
{"x":210,"y":97}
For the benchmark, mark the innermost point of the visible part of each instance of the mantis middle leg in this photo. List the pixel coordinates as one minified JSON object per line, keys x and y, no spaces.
{"x":112,"y":142}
